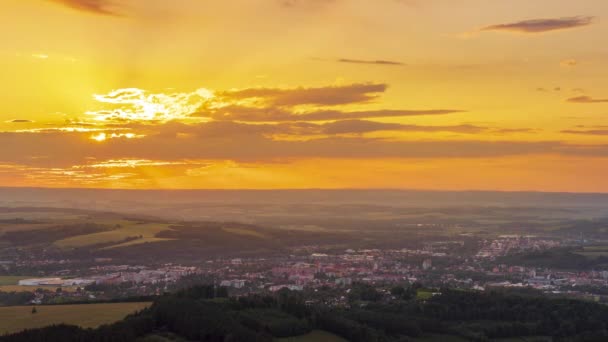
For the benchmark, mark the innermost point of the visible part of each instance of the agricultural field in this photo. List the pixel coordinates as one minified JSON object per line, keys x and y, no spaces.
{"x":245,"y":232}
{"x":594,"y":252}
{"x":17,"y":318}
{"x":144,"y":232}
{"x":313,"y":336}
{"x":11,"y":280}
{"x":11,"y":227}
{"x":24,"y":288}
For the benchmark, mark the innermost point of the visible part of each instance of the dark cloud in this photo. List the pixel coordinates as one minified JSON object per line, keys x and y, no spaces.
{"x":339,"y":115}
{"x":278,"y":104}
{"x":376,"y":62}
{"x":247,"y":142}
{"x":586,"y":99}
{"x":542,"y":25}
{"x":325,"y":96}
{"x":364,"y":126}
{"x":230,"y":129}
{"x":251,"y":114}
{"x":48,"y":149}
{"x":103,"y":7}
{"x":514,"y":130}
{"x":19,"y":121}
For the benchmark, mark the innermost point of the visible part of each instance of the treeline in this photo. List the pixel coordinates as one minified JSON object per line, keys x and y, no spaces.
{"x":556,"y":258}
{"x":16,"y":298}
{"x":499,"y":314}
{"x":206,"y":313}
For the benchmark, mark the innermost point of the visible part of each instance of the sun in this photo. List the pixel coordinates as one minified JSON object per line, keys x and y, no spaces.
{"x":99,"y":137}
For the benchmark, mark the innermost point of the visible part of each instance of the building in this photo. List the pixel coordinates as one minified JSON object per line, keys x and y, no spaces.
{"x":41,"y":282}
{"x":344,"y":281}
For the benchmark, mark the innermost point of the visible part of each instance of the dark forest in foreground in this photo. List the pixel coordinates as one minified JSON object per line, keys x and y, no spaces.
{"x":207,"y":313}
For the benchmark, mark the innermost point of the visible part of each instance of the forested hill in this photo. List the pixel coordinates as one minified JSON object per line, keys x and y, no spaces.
{"x":205,"y":313}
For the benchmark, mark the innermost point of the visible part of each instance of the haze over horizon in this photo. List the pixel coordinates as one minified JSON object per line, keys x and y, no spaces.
{"x":294,"y":94}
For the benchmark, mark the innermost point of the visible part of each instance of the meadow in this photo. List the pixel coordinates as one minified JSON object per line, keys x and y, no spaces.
{"x":11,"y":280}
{"x":594,"y":252}
{"x":25,"y":288}
{"x":17,"y":318}
{"x":144,"y":232}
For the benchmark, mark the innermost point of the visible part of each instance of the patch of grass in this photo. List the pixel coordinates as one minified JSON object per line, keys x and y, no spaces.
{"x":24,"y":288}
{"x":12,"y":280}
{"x":313,"y":336}
{"x":123,"y":231}
{"x":136,"y":242}
{"x":594,"y":252}
{"x":593,"y":255}
{"x":246,"y":232}
{"x":423,"y":294}
{"x":17,"y":318}
{"x":595,"y":249}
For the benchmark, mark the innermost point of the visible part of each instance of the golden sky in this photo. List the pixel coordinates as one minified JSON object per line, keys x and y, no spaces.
{"x":419,"y":94}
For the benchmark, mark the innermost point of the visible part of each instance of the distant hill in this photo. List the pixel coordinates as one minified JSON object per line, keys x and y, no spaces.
{"x":321,"y":208}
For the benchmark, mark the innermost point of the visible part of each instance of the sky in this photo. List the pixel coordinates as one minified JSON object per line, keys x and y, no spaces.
{"x":272,"y":94}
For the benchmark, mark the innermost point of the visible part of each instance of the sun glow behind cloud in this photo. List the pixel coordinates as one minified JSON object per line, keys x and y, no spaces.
{"x":133,"y":104}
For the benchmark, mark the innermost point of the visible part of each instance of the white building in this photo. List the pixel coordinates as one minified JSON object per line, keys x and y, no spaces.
{"x":41,"y":282}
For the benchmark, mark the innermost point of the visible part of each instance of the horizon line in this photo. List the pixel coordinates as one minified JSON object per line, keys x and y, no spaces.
{"x":304,"y":189}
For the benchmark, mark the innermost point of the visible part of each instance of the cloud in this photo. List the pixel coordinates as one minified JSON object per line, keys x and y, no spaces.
{"x":514,"y":130}
{"x":568,"y":63}
{"x":586,"y":99}
{"x":364,"y":126}
{"x":103,"y":7}
{"x":326,"y":96}
{"x":586,"y":132}
{"x":19,"y":121}
{"x":544,"y":90}
{"x":541,"y":25}
{"x":376,"y":62}
{"x":270,"y":114}
{"x":217,"y":142}
{"x":231,"y":129}
{"x":249,"y":105}
{"x":134,"y":104}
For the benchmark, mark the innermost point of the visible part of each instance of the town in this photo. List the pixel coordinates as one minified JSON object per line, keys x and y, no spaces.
{"x":436,"y":265}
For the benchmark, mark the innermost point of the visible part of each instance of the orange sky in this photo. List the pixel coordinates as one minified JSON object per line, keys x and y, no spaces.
{"x":426,"y":94}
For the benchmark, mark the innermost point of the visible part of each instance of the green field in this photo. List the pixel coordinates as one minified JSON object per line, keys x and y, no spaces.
{"x":127,"y":229}
{"x":25,"y":288}
{"x":17,"y":318}
{"x":593,"y":252}
{"x":11,"y":280}
{"x":313,"y":336}
{"x":423,"y":294}
{"x":245,"y":232}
